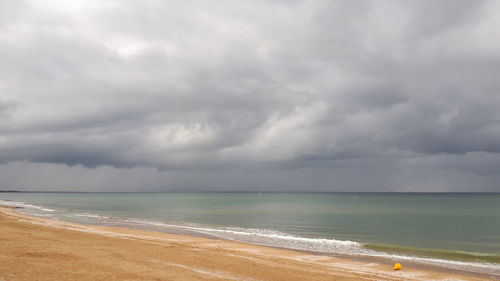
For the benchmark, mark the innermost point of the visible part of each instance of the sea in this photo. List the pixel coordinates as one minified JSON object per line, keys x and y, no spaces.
{"x":453,"y":230}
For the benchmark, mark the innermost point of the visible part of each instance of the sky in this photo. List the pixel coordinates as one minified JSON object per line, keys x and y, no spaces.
{"x":264,"y":95}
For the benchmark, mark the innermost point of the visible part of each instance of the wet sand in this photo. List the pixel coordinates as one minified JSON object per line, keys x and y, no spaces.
{"x":33,"y":248}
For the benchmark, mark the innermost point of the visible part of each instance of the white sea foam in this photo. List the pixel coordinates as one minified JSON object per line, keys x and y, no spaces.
{"x":94,"y":216}
{"x":24,"y":205}
{"x":269,"y":238}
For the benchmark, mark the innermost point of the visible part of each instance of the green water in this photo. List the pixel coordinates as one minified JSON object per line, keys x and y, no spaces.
{"x":435,"y":253}
{"x":450,"y":226}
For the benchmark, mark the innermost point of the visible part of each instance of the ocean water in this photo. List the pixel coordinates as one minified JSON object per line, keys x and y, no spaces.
{"x":459,"y":231}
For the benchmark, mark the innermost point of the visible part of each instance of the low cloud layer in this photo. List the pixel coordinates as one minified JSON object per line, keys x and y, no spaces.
{"x":261,"y":95}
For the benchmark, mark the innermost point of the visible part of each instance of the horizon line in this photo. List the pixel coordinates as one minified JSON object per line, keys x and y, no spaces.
{"x":255,"y":191}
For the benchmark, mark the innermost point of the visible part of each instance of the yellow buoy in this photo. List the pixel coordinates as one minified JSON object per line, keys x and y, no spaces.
{"x":397,"y":266}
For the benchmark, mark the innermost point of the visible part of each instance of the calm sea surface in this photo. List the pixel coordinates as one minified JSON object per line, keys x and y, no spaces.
{"x":461,"y":229}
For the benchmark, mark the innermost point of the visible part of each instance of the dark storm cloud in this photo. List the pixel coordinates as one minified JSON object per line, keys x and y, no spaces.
{"x":324,"y":95}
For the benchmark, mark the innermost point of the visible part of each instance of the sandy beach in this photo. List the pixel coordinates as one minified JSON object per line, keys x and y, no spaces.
{"x":33,"y":248}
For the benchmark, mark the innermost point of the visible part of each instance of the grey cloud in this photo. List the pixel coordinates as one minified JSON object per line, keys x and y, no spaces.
{"x":216,"y":92}
{"x":430,"y":18}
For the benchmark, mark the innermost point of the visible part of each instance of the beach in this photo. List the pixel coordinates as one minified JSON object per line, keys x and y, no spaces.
{"x":34,"y":248}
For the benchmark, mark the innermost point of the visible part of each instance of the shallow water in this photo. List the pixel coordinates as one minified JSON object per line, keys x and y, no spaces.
{"x":459,"y":227}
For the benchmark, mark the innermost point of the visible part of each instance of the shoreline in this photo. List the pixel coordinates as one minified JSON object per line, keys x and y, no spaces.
{"x":232,"y":257}
{"x":360,"y":257}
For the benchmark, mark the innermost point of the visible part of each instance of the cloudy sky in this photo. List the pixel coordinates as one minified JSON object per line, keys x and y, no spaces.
{"x":302,"y":95}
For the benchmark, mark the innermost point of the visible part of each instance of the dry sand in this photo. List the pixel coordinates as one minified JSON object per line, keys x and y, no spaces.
{"x":33,"y":248}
